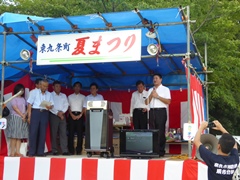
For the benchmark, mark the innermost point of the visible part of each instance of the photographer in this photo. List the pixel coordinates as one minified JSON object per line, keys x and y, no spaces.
{"x":223,"y":164}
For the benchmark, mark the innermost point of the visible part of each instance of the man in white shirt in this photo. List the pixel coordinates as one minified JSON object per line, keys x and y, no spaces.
{"x":75,"y":118}
{"x":159,"y":98}
{"x":37,"y":85}
{"x":138,"y":108}
{"x":94,"y":96}
{"x":58,"y":120}
{"x":38,"y":118}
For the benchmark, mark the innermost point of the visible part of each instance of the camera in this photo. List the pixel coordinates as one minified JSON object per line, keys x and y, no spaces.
{"x":211,"y":125}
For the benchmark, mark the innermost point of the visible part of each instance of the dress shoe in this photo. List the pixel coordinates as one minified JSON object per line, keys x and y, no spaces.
{"x":66,"y":154}
{"x":71,"y":153}
{"x":79,"y":153}
{"x":161,"y":155}
{"x":55,"y":153}
{"x":41,"y":155}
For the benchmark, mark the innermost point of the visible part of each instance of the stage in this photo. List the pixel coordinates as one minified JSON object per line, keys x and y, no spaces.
{"x":96,"y":168}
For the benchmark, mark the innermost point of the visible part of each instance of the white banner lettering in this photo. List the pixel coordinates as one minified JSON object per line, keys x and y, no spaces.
{"x":112,"y":46}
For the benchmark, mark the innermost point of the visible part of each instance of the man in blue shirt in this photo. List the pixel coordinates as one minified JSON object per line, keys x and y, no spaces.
{"x":223,"y":164}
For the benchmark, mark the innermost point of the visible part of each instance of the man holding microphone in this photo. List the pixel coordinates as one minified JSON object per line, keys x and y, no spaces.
{"x":159,"y":98}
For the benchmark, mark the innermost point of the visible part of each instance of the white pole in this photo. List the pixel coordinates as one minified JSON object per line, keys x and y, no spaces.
{"x":188,"y":79}
{"x":2,"y":81}
{"x":206,"y":61}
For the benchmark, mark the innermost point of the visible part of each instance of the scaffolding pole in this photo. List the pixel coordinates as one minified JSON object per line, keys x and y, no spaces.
{"x":2,"y":81}
{"x":93,"y":29}
{"x":206,"y":88}
{"x":143,"y":57}
{"x":36,"y":74}
{"x":130,"y":87}
{"x":188,"y":80}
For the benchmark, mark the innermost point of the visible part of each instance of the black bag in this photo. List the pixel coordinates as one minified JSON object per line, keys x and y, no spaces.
{"x":5,"y":112}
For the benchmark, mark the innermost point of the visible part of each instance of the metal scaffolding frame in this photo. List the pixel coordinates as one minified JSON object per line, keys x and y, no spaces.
{"x":74,"y":28}
{"x":93,"y":29}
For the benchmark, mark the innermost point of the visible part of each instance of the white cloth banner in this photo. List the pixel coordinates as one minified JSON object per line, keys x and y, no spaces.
{"x":94,"y":47}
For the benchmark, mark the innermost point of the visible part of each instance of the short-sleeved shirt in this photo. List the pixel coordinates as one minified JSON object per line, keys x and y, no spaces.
{"x":138,"y":101}
{"x":90,"y":97}
{"x":60,"y":102}
{"x":20,"y":103}
{"x":219,"y":167}
{"x":36,"y":97}
{"x":76,"y":102}
{"x":162,"y":91}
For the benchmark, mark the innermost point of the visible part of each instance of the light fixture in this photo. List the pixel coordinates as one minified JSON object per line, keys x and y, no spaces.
{"x":151,"y":34}
{"x":25,"y":54}
{"x":152,"y":49}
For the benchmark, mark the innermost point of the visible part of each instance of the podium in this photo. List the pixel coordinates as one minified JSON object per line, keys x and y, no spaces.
{"x":99,"y":129}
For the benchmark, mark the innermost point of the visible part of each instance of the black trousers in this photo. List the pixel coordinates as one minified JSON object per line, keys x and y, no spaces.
{"x":157,"y":120}
{"x":139,"y":119}
{"x":75,"y":126}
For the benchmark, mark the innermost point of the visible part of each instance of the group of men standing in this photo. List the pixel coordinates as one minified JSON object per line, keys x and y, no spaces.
{"x":77,"y":112}
{"x":151,"y":104}
{"x":55,"y":106}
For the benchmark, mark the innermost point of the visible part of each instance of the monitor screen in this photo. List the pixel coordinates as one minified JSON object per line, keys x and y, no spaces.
{"x":139,"y":143}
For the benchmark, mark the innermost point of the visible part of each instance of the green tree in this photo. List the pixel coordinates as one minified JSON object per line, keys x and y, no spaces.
{"x":220,"y":30}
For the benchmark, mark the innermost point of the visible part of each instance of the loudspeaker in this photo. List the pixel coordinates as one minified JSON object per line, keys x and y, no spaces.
{"x":25,"y":54}
{"x":210,"y":142}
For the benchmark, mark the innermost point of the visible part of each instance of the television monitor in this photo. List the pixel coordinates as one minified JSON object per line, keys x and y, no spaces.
{"x":139,"y":143}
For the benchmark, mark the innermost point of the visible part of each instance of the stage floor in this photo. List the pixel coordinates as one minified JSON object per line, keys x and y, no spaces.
{"x":99,"y":157}
{"x":96,"y":168}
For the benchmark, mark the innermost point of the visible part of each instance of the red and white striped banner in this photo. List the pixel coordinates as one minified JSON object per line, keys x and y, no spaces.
{"x":99,"y":169}
{"x":196,"y":104}
{"x":196,"y":101}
